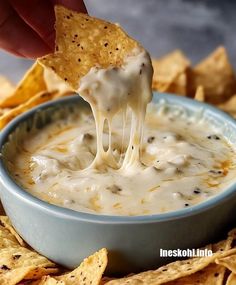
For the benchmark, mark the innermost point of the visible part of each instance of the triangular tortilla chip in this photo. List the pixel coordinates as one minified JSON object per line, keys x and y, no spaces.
{"x":18,"y":262}
{"x":89,"y":272}
{"x":216,"y":75}
{"x":30,"y":85}
{"x":37,"y":99}
{"x":212,"y":274}
{"x":83,"y":42}
{"x":171,"y":271}
{"x":170,"y":73}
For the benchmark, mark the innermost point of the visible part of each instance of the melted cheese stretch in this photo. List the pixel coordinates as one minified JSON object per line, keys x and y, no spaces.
{"x":182,"y":162}
{"x":113,"y":90}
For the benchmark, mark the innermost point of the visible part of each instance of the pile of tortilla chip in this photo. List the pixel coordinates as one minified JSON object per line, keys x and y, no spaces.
{"x":21,"y":265}
{"x":212,"y":80}
{"x":37,"y":86}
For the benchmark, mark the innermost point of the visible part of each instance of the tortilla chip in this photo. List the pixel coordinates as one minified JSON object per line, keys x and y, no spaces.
{"x":18,"y":262}
{"x":6,"y":88}
{"x":55,"y":84}
{"x":170,"y":73}
{"x":7,"y":239}
{"x":212,"y":274}
{"x":229,"y":106}
{"x":31,"y":84}
{"x":89,"y":272}
{"x":171,"y":271}
{"x":216,"y":75}
{"x":179,"y":85}
{"x":229,"y":262}
{"x":231,"y":279}
{"x":83,"y":42}
{"x":5,"y":222}
{"x":199,"y":95}
{"x":34,"y":101}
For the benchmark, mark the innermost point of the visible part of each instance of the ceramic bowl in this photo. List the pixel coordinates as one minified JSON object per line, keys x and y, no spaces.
{"x":66,"y":236}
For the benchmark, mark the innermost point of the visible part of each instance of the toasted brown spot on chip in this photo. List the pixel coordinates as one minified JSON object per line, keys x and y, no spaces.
{"x":91,"y":39}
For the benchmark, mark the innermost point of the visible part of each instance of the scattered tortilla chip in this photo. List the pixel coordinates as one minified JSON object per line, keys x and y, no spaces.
{"x":199,"y":95}
{"x":231,"y":279}
{"x":6,"y":88}
{"x":83,"y":42}
{"x":5,"y":222}
{"x":229,"y":262}
{"x":171,"y":271}
{"x":212,"y":274}
{"x":18,"y":262}
{"x":31,"y":84}
{"x":89,"y":272}
{"x":229,"y":106}
{"x":216,"y":75}
{"x":170,"y":73}
{"x":34,"y":101}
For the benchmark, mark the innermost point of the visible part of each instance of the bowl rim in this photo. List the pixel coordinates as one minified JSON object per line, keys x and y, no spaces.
{"x":10,"y":185}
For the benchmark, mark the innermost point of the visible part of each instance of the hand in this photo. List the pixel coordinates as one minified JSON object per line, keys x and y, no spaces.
{"x":27,"y":26}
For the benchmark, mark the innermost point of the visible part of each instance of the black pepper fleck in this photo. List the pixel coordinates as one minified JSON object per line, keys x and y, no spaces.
{"x":214,"y":137}
{"x":150,"y":139}
{"x":16,"y":256}
{"x":197,"y":190}
{"x":4,"y":267}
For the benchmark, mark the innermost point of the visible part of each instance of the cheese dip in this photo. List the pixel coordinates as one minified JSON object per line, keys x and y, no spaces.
{"x":183,"y":161}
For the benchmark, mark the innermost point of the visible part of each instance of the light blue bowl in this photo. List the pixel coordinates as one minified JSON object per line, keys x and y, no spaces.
{"x":134,"y":243}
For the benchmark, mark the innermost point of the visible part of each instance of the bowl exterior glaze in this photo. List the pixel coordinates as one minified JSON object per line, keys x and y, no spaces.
{"x":134,"y":243}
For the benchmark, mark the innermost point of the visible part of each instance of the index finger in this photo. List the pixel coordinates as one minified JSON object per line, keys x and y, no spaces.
{"x":18,"y":38}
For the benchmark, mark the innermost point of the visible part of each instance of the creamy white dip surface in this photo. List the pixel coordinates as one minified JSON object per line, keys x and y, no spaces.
{"x":105,"y":160}
{"x":183,"y":161}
